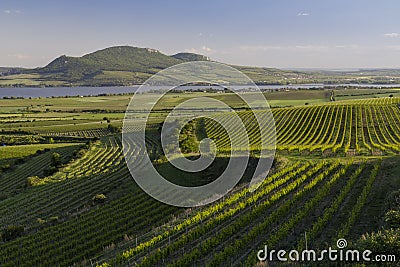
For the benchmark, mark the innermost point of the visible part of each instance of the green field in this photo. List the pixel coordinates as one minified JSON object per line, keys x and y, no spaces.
{"x":7,"y":152}
{"x":335,"y":175}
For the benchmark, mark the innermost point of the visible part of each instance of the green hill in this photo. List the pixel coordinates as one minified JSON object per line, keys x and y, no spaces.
{"x":126,"y":65}
{"x":190,"y":57}
{"x":114,"y":65}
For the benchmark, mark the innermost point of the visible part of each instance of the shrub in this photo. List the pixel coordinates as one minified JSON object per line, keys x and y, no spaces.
{"x":32,"y":181}
{"x":392,"y":218}
{"x":50,"y":171}
{"x":384,"y":242}
{"x":113,"y":129}
{"x":80,"y":153}
{"x":41,"y":221}
{"x":99,"y":198}
{"x":56,"y":160}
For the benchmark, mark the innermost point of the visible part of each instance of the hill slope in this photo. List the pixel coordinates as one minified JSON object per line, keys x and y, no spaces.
{"x":126,"y":65}
{"x":190,"y":57}
{"x":123,"y":63}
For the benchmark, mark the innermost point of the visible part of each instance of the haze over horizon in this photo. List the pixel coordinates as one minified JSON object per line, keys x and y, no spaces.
{"x":331,"y":34}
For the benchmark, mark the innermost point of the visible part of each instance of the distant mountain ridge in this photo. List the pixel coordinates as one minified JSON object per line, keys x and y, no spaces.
{"x":190,"y":57}
{"x":113,"y":59}
{"x":127,"y":65}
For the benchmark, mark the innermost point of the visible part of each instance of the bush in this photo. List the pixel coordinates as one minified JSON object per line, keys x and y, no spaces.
{"x":99,"y":198}
{"x":56,"y":160}
{"x":393,"y":200}
{"x":32,"y":181}
{"x":383,"y":242}
{"x":41,"y":221}
{"x":113,"y":129}
{"x":80,"y":153}
{"x":50,"y":171}
{"x":392,"y":218}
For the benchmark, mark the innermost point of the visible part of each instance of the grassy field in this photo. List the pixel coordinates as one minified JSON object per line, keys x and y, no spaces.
{"x":27,"y":80}
{"x":8,"y":152}
{"x":335,"y":175}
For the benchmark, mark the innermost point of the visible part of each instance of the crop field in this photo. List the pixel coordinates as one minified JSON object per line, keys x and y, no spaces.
{"x":356,"y":127}
{"x":67,"y":197}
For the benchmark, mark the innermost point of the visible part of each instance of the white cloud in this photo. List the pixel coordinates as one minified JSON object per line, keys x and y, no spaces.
{"x":205,"y":35}
{"x":191,"y":50}
{"x":300,"y":48}
{"x":207,"y":49}
{"x":351,"y":46}
{"x":8,"y":11}
{"x":203,"y":49}
{"x":394,"y":47}
{"x":311,"y":47}
{"x":255,"y":48}
{"x":392,"y":34}
{"x":304,"y":14}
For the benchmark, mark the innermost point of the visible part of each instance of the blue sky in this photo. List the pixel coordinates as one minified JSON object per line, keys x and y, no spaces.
{"x":280,"y":33}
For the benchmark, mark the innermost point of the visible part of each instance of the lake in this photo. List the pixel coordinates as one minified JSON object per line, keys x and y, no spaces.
{"x":62,"y":91}
{"x":27,"y":92}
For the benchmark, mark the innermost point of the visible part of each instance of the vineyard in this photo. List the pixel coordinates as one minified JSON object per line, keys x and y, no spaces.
{"x":335,"y":165}
{"x":365,"y":127}
{"x":230,"y":231}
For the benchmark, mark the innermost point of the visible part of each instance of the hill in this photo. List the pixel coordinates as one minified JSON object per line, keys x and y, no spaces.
{"x":190,"y":57}
{"x":119,"y":65}
{"x":126,"y":65}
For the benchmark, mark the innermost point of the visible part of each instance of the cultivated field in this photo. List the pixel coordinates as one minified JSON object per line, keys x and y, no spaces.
{"x":67,"y":197}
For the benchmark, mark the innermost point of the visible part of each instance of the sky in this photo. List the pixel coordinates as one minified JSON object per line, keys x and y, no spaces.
{"x":334,"y":34}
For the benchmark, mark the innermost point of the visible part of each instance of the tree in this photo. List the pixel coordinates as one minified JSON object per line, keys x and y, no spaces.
{"x":381,"y":242}
{"x":56,"y":160}
{"x":113,"y":129}
{"x":392,"y":218}
{"x":33,"y":180}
